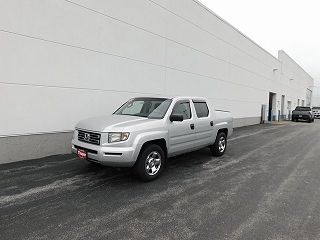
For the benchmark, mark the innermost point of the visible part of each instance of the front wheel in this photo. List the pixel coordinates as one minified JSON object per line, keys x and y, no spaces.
{"x":150,"y":163}
{"x":220,"y":145}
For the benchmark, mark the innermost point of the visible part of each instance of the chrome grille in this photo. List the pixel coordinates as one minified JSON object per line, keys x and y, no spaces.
{"x":89,"y":137}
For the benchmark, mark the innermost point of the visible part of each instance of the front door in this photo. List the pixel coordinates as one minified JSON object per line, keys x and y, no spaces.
{"x":182,"y":134}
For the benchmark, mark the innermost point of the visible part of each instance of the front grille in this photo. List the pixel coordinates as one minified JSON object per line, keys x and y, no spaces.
{"x":89,"y":137}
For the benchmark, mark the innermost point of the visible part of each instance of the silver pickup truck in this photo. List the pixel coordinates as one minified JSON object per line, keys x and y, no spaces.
{"x":316,"y":112}
{"x":145,"y":131}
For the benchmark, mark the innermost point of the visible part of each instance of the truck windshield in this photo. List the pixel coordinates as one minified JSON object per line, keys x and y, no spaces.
{"x":154,"y":108}
{"x":303,"y":109}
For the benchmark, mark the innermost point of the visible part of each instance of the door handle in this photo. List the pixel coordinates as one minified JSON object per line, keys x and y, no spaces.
{"x":192,"y":126}
{"x":211,"y":123}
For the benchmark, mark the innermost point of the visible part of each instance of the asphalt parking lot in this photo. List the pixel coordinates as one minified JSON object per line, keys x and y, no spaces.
{"x":267,"y":186}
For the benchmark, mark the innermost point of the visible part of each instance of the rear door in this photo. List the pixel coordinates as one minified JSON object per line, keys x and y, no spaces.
{"x":204,"y":124}
{"x":182,"y":135}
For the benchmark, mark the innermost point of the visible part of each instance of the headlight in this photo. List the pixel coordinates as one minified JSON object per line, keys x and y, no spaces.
{"x":74,"y":134}
{"x":118,"y":137}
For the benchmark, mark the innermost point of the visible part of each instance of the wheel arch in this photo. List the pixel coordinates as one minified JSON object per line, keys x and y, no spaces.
{"x":223,"y":130}
{"x":161,"y":142}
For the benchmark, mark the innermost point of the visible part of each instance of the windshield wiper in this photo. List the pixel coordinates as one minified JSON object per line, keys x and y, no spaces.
{"x":132,"y":115}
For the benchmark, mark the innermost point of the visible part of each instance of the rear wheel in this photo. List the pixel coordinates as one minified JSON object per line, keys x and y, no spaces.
{"x":220,"y":145}
{"x":150,"y":162}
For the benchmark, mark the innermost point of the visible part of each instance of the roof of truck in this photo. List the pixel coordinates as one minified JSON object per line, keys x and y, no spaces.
{"x":177,"y":97}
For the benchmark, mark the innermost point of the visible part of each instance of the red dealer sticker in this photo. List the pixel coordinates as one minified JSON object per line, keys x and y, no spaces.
{"x":82,"y":153}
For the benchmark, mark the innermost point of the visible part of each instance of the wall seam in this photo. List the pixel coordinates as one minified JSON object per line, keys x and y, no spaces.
{"x":169,"y":39}
{"x":132,"y":59}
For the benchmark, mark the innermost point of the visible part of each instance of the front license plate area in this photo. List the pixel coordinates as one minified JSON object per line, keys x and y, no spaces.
{"x":82,"y":154}
{"x":300,"y":115}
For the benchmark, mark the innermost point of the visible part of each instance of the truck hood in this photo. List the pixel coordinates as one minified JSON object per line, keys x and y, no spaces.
{"x":111,"y":123}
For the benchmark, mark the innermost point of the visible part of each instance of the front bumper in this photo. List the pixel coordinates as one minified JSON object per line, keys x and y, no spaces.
{"x":107,"y":156}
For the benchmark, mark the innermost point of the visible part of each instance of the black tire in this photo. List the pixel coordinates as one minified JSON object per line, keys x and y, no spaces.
{"x":217,"y":150}
{"x":149,"y":152}
{"x":310,"y":120}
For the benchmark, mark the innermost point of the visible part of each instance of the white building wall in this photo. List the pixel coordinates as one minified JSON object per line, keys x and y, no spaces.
{"x":67,"y":60}
{"x":316,"y":93}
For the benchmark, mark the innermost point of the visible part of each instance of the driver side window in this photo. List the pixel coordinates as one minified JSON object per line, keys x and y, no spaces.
{"x":182,"y":108}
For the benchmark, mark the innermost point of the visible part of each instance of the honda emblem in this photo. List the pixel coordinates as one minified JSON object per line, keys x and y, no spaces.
{"x":87,"y":136}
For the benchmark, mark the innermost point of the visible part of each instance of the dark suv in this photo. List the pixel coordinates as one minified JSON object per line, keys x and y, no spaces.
{"x":303,"y":113}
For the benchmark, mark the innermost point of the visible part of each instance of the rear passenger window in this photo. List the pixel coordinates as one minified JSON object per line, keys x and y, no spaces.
{"x":202,"y":109}
{"x":182,"y":108}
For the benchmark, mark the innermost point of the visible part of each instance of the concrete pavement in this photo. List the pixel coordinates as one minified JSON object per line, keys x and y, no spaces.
{"x":265,"y":187}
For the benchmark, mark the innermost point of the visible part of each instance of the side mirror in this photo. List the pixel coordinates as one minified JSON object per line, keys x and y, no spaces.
{"x":176,"y":118}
